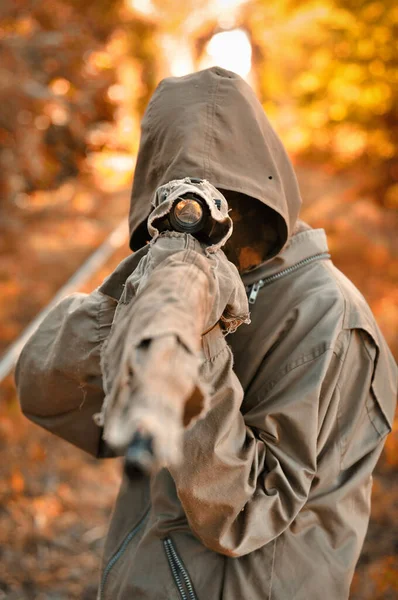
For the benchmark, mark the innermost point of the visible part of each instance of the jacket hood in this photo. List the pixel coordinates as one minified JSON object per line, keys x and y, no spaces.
{"x":211,"y":125}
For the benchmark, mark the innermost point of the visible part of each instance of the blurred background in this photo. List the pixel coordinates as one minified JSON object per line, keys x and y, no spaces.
{"x":75,"y":77}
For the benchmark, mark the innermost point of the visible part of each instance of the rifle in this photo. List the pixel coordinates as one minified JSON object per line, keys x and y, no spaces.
{"x":152,"y":362}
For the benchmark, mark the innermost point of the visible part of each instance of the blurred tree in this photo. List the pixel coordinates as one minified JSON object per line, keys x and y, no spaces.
{"x":59,"y":62}
{"x":327,"y":72}
{"x":176,"y":15}
{"x":143,"y":48}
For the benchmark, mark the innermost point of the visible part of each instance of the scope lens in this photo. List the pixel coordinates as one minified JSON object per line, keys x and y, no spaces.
{"x":188,"y":212}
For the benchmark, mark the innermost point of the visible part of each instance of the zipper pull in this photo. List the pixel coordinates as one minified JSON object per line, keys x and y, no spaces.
{"x":253,"y":291}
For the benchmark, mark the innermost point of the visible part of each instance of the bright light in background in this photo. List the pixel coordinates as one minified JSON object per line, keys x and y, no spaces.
{"x":231,"y":50}
{"x":181,"y":65}
{"x":144,"y":7}
{"x":226,"y":11}
{"x":179,"y":55}
{"x":223,"y":10}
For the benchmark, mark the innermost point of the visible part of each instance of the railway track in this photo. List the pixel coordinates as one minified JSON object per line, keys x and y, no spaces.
{"x":95,"y":261}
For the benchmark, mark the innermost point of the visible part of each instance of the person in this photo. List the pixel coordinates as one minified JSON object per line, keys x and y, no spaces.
{"x":272,"y":497}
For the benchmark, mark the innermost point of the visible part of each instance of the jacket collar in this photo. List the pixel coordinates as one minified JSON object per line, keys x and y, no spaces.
{"x":304,"y":243}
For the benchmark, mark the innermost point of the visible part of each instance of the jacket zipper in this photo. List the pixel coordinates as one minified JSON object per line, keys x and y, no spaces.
{"x":252,"y":290}
{"x":180,"y":575}
{"x":120,"y":553}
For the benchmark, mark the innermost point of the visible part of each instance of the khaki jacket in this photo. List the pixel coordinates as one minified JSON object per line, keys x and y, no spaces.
{"x":272,"y":498}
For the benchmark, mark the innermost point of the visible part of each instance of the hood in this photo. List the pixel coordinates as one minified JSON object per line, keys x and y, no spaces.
{"x":211,"y":125}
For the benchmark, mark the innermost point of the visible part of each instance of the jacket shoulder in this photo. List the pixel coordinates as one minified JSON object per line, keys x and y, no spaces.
{"x":306,"y":314}
{"x":358,"y":316}
{"x":336,"y":295}
{"x":357,"y":313}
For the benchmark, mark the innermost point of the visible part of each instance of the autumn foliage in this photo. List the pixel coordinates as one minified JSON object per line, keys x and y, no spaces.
{"x":75,"y":78}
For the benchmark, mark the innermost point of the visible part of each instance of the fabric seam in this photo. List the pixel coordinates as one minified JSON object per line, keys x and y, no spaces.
{"x":338,"y":286}
{"x":272,"y":569}
{"x":374,"y":360}
{"x":342,"y":445}
{"x":302,"y":360}
{"x":211,"y":359}
{"x":209,"y":134}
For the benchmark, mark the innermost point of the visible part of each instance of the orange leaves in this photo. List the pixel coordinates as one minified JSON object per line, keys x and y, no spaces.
{"x":391,"y":447}
{"x":391,"y":198}
{"x":47,"y":100}
{"x":330,"y":71}
{"x":326,"y":74}
{"x":44,"y":510}
{"x":384,"y":575}
{"x":111,"y":171}
{"x":378,"y":582}
{"x":60,"y":86}
{"x":17,"y":482}
{"x":55,"y":505}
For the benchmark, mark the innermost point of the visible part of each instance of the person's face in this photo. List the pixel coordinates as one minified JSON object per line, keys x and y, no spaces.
{"x":254,"y":233}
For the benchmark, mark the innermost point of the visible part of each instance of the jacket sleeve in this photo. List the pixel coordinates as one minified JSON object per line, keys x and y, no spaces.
{"x":58,"y":374}
{"x":245,"y":477}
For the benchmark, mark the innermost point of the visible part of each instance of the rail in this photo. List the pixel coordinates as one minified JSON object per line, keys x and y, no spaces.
{"x":114,"y":241}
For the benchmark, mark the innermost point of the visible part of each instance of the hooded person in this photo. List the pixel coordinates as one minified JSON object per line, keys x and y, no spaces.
{"x":272,"y":496}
